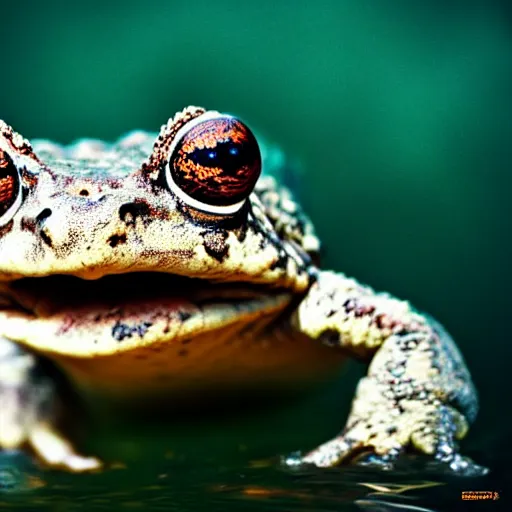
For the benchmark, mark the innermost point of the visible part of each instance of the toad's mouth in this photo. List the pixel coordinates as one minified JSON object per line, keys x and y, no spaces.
{"x":44,"y":296}
{"x":70,"y":315}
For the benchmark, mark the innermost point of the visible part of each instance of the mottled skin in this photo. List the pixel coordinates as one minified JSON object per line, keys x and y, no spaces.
{"x":132,"y":293}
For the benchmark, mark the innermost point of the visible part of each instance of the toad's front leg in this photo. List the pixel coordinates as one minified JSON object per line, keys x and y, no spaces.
{"x":27,"y":411}
{"x":417,"y":393}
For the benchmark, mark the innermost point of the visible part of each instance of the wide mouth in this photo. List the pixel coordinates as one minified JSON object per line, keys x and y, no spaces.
{"x":44,"y":296}
{"x":129,"y":313}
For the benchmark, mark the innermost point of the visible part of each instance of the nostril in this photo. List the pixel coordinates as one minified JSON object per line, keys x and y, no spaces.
{"x":43,"y":215}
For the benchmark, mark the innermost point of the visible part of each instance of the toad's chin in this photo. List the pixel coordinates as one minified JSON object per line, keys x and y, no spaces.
{"x":141,"y":334}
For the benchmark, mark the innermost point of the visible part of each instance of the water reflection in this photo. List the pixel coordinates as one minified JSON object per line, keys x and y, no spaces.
{"x":258,"y":485}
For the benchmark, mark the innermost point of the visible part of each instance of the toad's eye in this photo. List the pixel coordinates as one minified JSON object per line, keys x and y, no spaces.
{"x":10,"y":189}
{"x":214,"y":164}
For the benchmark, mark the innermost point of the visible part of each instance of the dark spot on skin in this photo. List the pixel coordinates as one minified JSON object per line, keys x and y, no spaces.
{"x":184,"y":315}
{"x":349,"y":305}
{"x":120,"y":331}
{"x":215,"y":244}
{"x":400,"y":330}
{"x":281,"y":261}
{"x":363,"y":310}
{"x":141,"y":356}
{"x":129,"y":212}
{"x":46,"y":239}
{"x":25,"y":149}
{"x":186,"y":341}
{"x":359,"y":310}
{"x":115,"y":240}
{"x":331,"y":313}
{"x":330,"y":337}
{"x":382,"y":321}
{"x":84,"y":192}
{"x":183,"y":353}
{"x":28,"y":224}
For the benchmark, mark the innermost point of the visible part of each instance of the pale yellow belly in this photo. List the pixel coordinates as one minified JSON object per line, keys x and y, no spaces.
{"x":211,"y":362}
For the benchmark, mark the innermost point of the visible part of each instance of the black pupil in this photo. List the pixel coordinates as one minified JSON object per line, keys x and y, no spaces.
{"x":229,"y":156}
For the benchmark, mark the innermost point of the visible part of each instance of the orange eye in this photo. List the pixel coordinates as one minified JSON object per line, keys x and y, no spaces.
{"x":10,"y":188}
{"x":215,"y":163}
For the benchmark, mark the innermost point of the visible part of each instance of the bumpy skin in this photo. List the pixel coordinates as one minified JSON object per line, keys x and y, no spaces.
{"x":238,"y":298}
{"x":418,"y":391}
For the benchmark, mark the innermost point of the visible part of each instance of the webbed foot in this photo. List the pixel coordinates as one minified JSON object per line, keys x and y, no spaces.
{"x":379,"y":443}
{"x":404,"y":405}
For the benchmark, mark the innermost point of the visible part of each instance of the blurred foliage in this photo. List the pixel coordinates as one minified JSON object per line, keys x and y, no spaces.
{"x":400,"y":113}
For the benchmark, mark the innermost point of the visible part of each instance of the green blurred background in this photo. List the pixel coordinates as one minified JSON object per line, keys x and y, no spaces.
{"x":400,"y":113}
